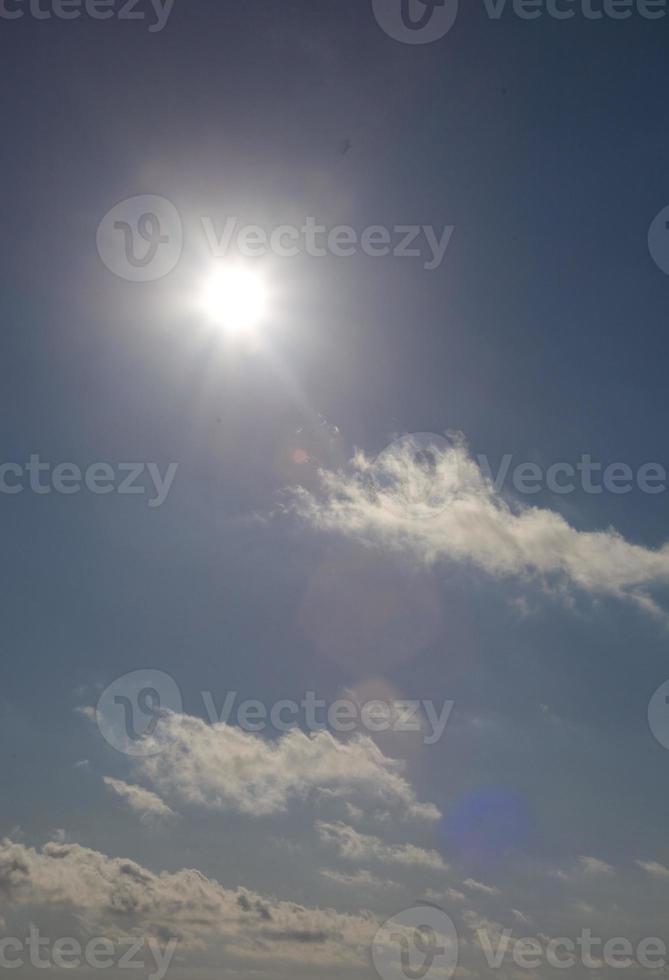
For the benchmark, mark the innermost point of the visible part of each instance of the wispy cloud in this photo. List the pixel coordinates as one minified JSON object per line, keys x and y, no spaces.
{"x":594,"y":866}
{"x":479,"y":886}
{"x":654,"y":868}
{"x":462,"y":517}
{"x":360,"y":879}
{"x":354,"y":846}
{"x":142,"y":801}
{"x":583,"y":865}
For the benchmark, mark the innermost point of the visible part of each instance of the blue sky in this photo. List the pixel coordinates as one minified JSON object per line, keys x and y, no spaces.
{"x":306,"y":542}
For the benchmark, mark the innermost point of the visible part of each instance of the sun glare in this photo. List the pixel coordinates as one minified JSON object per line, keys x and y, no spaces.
{"x":234,"y":298}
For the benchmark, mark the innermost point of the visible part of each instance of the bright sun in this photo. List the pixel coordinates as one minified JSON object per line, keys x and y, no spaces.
{"x":234,"y":298}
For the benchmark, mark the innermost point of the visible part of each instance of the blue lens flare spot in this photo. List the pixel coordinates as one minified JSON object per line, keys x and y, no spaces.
{"x":488,"y":822}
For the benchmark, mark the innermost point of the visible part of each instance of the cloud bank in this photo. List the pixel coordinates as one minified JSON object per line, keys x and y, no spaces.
{"x":117,"y":897}
{"x":354,"y":846}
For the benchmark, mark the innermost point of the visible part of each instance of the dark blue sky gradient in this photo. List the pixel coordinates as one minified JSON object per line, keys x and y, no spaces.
{"x":543,"y":334}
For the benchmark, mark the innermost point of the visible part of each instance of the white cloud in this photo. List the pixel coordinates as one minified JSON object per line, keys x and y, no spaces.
{"x":218,"y":767}
{"x":594,"y":866}
{"x":354,"y":846}
{"x":479,"y":886}
{"x":461,"y":517}
{"x":654,"y":868}
{"x":584,"y":865}
{"x":148,"y":805}
{"x":580,"y":907}
{"x":486,"y":929}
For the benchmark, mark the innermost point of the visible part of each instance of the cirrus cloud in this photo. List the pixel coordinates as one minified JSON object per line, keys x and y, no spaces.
{"x":450,"y":510}
{"x":142,"y":801}
{"x":354,"y":846}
